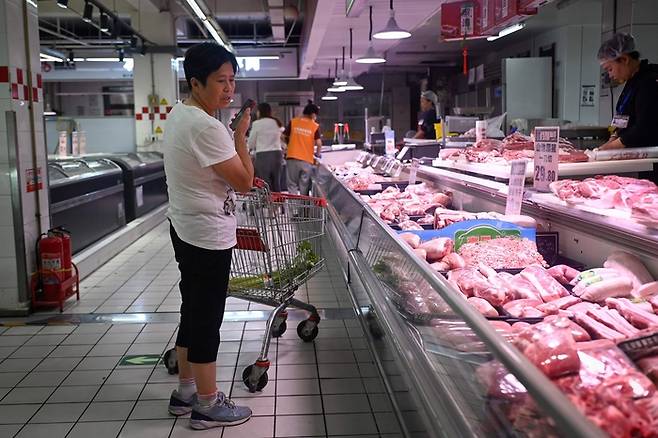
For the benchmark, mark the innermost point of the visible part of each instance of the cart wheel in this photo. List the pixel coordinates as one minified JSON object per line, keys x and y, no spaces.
{"x":305,"y":332}
{"x":279,"y":330}
{"x":262,"y":381}
{"x":171,"y":361}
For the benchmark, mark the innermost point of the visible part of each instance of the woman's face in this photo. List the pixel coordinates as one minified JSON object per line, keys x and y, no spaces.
{"x":219,"y":88}
{"x":425,"y":104}
{"x":620,"y":69}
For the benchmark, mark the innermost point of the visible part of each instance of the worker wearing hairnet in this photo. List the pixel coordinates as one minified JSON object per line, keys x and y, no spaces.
{"x":635,"y":120}
{"x":427,"y":119}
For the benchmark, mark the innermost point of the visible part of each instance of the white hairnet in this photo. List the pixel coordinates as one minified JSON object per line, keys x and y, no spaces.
{"x":619,"y":44}
{"x":431,"y":96}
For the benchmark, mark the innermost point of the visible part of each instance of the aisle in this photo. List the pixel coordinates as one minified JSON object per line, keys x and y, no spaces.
{"x":72,"y":380}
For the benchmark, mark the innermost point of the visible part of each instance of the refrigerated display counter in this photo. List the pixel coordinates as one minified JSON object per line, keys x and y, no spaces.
{"x":86,"y":198}
{"x":145,"y":186}
{"x":454,"y":374}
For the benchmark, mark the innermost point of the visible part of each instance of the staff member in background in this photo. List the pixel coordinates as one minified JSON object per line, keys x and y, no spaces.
{"x":303,"y":138}
{"x":428,"y":102}
{"x":265,"y":141}
{"x":636,"y":115}
{"x":204,"y":164}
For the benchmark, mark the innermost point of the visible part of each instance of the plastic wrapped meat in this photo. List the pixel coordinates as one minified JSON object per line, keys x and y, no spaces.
{"x":517,"y":307}
{"x":500,"y":383}
{"x":482,"y":306}
{"x":563,"y":273}
{"x":549,"y":288}
{"x":437,"y":248}
{"x":502,"y":253}
{"x":633,"y":313}
{"x":649,"y":366}
{"x":469,"y":280}
{"x":410,"y":225}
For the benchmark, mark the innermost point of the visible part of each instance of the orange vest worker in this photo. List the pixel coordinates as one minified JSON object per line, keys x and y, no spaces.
{"x":301,"y":143}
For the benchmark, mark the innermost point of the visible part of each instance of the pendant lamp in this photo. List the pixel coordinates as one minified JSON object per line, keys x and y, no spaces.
{"x":336,"y":88}
{"x":370,"y":57}
{"x":341,"y":80}
{"x":352,"y":85}
{"x":392,"y":31}
{"x":329,"y":96}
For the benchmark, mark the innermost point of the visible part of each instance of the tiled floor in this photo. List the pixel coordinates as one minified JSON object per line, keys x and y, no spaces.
{"x":68,"y":380}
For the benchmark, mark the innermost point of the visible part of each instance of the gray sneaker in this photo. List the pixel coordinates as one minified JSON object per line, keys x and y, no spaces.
{"x":180,"y":406}
{"x":224,"y":413}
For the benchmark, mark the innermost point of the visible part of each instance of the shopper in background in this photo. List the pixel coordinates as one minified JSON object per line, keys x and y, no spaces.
{"x":303,"y":137}
{"x":427,"y":119}
{"x":204,"y":164}
{"x":635,"y":120}
{"x":265,"y":141}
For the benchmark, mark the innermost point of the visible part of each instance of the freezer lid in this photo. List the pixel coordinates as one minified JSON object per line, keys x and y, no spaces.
{"x":101,"y":164}
{"x":55,"y":173}
{"x":73,"y":167}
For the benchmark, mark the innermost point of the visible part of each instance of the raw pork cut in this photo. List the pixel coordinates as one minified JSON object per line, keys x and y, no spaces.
{"x":437,"y":248}
{"x":549,"y":289}
{"x":502,"y":253}
{"x":596,"y":329}
{"x":633,"y":314}
{"x":413,"y":240}
{"x":482,"y":306}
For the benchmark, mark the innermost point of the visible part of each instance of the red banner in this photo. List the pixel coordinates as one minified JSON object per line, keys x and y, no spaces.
{"x":460,"y":20}
{"x":505,"y":12}
{"x":529,"y":7}
{"x":487,"y":16}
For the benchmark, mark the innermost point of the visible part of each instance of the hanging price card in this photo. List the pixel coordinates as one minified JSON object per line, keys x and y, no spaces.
{"x":546,"y":157}
{"x":415,"y":164}
{"x":515,"y":188}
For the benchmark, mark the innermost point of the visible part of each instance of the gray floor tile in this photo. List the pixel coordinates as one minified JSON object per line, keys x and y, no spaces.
{"x":79,"y":377}
{"x":387,"y":423}
{"x":82,"y":339}
{"x":109,"y":350}
{"x":118,"y":392}
{"x":59,"y":412}
{"x":147,"y":428}
{"x":260,"y":406}
{"x":287,"y":372}
{"x":9,"y":380}
{"x":108,"y":429}
{"x":71,"y":351}
{"x":54,"y":430}
{"x":117,"y":338}
{"x":57,"y":329}
{"x":297,"y":387}
{"x":300,"y":425}
{"x":15,"y":365}
{"x":342,"y":386}
{"x":108,"y":411}
{"x":350,"y":424}
{"x":91,"y":329}
{"x":58,"y":364}
{"x":345,"y":403}
{"x":6,"y":351}
{"x":121,"y":376}
{"x":182,"y":429}
{"x":9,"y":430}
{"x":150,"y":348}
{"x":28,"y":395}
{"x":73,"y":394}
{"x":44,"y":378}
{"x":374,"y":385}
{"x":338,"y":371}
{"x":98,"y":363}
{"x":239,"y":390}
{"x":150,"y":410}
{"x":23,"y":330}
{"x":225,"y":374}
{"x":40,"y":339}
{"x":16,"y":413}
{"x":336,"y":356}
{"x":33,"y":351}
{"x":295,"y":357}
{"x":256,"y":427}
{"x":157,"y":391}
{"x":380,"y":403}
{"x":298,"y":405}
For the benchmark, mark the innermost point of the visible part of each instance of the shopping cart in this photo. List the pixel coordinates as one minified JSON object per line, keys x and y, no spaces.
{"x":278,"y":249}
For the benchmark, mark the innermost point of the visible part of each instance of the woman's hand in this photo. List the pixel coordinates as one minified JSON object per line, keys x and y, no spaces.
{"x":243,"y":125}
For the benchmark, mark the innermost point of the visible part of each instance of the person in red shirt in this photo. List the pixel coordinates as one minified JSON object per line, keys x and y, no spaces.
{"x":303,"y":137}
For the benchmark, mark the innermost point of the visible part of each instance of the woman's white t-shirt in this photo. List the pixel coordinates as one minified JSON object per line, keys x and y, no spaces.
{"x":201,"y":203}
{"x":265,"y":135}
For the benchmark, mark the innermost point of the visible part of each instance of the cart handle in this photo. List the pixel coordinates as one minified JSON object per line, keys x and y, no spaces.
{"x":259,"y":183}
{"x":280,"y":197}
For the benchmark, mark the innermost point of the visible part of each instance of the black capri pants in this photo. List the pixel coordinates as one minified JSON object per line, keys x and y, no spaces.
{"x":203,"y":286}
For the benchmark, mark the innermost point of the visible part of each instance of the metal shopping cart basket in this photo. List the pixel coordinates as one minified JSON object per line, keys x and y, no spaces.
{"x":278,"y":249}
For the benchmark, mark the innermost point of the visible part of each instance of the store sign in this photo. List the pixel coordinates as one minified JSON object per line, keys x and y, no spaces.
{"x":505,"y":12}
{"x":515,"y":187}
{"x":33,"y":181}
{"x":487,"y":18}
{"x":547,"y":141}
{"x":460,"y":20}
{"x":529,"y":7}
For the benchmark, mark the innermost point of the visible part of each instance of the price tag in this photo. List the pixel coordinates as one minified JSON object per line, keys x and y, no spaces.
{"x":369,"y":159}
{"x":415,"y":164}
{"x":389,"y":167}
{"x":403,"y":152}
{"x":398,"y":170}
{"x":62,"y":145}
{"x":389,"y":137}
{"x":362,"y":156}
{"x":515,"y":187}
{"x":546,"y":157}
{"x":375,"y":162}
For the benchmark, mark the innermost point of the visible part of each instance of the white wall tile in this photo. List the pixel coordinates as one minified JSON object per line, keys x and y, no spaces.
{"x":14,"y":34}
{"x":22,"y":109}
{"x":5,"y":211}
{"x":7,"y":249}
{"x":8,"y":272}
{"x":9,"y":298}
{"x":5,"y":187}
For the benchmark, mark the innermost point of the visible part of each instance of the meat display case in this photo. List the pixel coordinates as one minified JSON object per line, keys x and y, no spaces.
{"x":431,"y":378}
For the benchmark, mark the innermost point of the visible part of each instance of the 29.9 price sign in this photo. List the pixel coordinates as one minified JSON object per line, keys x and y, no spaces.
{"x":547,"y":140}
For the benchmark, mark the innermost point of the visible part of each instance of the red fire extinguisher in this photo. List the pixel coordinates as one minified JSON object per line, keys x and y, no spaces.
{"x":50,"y":257}
{"x":65,"y":235}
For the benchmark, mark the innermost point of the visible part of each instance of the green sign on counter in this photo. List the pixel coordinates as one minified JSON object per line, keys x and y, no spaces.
{"x":139,"y":359}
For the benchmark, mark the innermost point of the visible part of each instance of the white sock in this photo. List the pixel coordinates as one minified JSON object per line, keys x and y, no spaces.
{"x":186,"y":388}
{"x":207,"y":401}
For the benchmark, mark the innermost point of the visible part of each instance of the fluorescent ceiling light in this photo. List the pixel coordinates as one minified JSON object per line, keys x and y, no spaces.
{"x":63,"y":3}
{"x":352,"y":85}
{"x":88,"y":12}
{"x":340,"y":81}
{"x":370,"y":57}
{"x":508,"y":30}
{"x":49,"y":58}
{"x":392,"y":31}
{"x":49,"y":113}
{"x":329,"y":96}
{"x":214,"y":34}
{"x":197,"y":9}
{"x":335,"y":89}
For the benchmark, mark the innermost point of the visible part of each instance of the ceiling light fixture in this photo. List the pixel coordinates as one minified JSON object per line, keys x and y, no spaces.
{"x":63,"y":3}
{"x":197,"y":10}
{"x":341,"y":80}
{"x":104,"y":22}
{"x":210,"y":24}
{"x":329,"y":96}
{"x":370,"y":57}
{"x":392,"y":31}
{"x":335,"y":88}
{"x":351,"y":85}
{"x":88,"y":12}
{"x":507,"y":31}
{"x":44,"y":57}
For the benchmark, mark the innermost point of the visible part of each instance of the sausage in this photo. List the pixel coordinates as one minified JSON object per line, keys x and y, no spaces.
{"x":413,"y":240}
{"x":610,"y":288}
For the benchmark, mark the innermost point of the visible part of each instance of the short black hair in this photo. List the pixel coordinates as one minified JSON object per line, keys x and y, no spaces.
{"x":264,"y":109}
{"x":311,"y":108}
{"x":203,"y":59}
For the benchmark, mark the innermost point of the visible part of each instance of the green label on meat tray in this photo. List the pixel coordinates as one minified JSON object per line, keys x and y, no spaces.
{"x":482,"y":232}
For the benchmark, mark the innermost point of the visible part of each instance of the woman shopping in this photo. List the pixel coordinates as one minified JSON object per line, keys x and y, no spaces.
{"x":204,"y":164}
{"x":265,"y":141}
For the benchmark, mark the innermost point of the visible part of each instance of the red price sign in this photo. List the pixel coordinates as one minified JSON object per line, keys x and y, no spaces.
{"x":547,"y":140}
